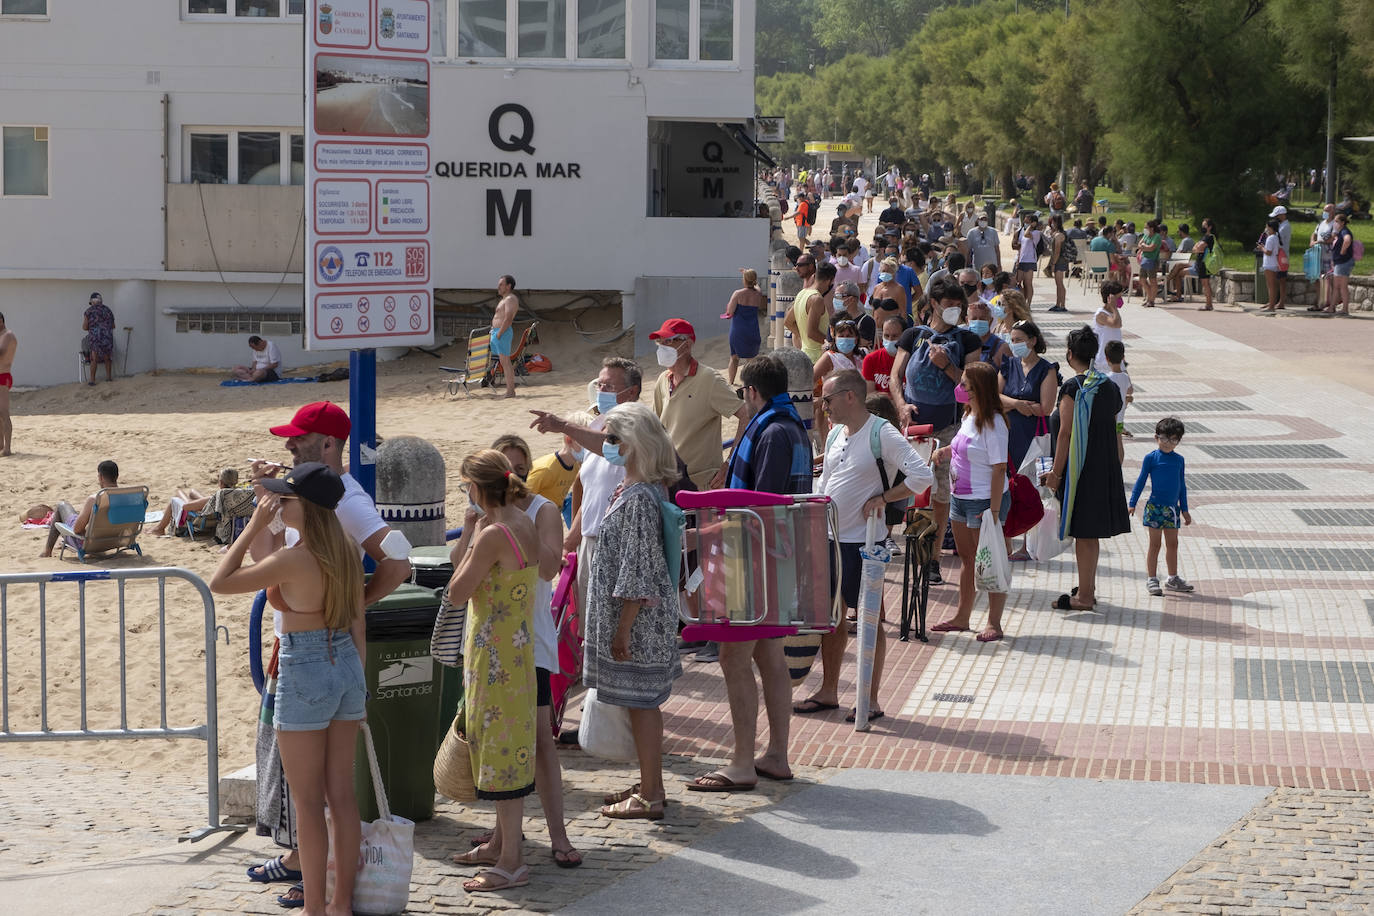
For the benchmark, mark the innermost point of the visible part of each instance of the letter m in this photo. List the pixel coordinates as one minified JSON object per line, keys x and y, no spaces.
{"x":521,"y":212}
{"x":713,"y":187}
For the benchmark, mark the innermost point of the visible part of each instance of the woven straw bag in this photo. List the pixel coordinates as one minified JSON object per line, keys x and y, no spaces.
{"x":453,"y":765}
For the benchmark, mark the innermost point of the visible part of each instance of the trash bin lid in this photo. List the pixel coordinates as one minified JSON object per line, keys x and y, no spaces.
{"x":406,"y":614}
{"x":429,"y":557}
{"x":405,"y":597}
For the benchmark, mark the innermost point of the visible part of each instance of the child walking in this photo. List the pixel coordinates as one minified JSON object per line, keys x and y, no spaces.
{"x":1115,"y":352}
{"x":1168,"y":500}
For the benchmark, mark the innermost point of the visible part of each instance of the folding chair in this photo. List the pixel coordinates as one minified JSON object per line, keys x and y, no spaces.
{"x":478,"y":367}
{"x":517,"y":361}
{"x":1096,"y":265}
{"x":115,"y":524}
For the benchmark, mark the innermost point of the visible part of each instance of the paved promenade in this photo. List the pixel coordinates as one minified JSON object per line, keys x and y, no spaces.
{"x":1210,"y":753}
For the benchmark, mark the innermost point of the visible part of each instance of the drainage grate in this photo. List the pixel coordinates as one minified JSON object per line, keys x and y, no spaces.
{"x":1303,"y":680}
{"x":1298,"y":559}
{"x":953,"y":698}
{"x":1186,"y":406}
{"x":1243,"y":482}
{"x":1337,"y":518}
{"x":1148,"y":429}
{"x":1287,"y":450}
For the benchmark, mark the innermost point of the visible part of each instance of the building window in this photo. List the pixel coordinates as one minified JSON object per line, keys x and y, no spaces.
{"x":694,"y":30}
{"x":245,"y":9}
{"x":224,"y":321}
{"x":528,"y":29}
{"x":24,"y":162}
{"x":225,"y":156}
{"x":23,"y":7}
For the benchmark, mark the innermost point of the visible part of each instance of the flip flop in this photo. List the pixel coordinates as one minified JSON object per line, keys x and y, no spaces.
{"x":509,"y":879}
{"x":293,"y":903}
{"x":563,"y":858}
{"x":815,"y":706}
{"x":719,"y":782}
{"x":273,"y":870}
{"x":1064,"y":603}
{"x":984,"y":637}
{"x":948,"y":626}
{"x":873,"y":715}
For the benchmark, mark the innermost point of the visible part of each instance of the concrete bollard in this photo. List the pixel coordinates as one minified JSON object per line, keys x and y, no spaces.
{"x":801,"y":385}
{"x":789,"y":283}
{"x":411,"y":489}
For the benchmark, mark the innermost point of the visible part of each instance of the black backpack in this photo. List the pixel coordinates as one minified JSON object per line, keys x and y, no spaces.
{"x":1042,"y":247}
{"x":1068,"y":251}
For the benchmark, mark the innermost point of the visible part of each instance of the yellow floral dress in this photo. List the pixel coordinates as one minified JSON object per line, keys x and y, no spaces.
{"x":498,"y":680}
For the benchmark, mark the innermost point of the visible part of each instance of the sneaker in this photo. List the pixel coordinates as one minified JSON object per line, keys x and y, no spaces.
{"x":892,"y":547}
{"x":1152,"y":586}
{"x":934,"y":572}
{"x":1176,"y":584}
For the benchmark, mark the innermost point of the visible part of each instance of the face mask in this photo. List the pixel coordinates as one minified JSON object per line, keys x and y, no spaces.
{"x":960,"y":394}
{"x":885,"y":277}
{"x":845,"y":344}
{"x":951,"y":314}
{"x":979,"y":327}
{"x":611,"y":452}
{"x":997,"y":311}
{"x":1019,"y":350}
{"x":987,"y":281}
{"x":605,"y":400}
{"x":842,"y":261}
{"x":890,"y":346}
{"x":982,"y":224}
{"x":969,"y":290}
{"x":580,"y":455}
{"x":838,"y":303}
{"x":666,"y":356}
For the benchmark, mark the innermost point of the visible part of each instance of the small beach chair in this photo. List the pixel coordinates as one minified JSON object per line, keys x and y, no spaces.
{"x":478,"y":365}
{"x":115,"y":524}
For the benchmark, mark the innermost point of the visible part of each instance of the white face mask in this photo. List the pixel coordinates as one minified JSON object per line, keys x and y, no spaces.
{"x":842,"y":261}
{"x":666,"y":356}
{"x":951,"y":314}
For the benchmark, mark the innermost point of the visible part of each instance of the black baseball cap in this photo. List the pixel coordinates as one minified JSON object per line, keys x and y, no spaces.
{"x":311,"y":480}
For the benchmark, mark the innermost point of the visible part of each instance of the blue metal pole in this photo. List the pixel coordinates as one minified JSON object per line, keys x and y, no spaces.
{"x":362,"y":408}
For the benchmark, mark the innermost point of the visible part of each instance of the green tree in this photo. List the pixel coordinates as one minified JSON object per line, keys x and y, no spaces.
{"x":870,"y":27}
{"x":783,"y":38}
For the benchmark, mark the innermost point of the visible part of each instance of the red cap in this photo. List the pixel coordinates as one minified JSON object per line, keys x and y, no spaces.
{"x":320,"y":417}
{"x":675,"y":327}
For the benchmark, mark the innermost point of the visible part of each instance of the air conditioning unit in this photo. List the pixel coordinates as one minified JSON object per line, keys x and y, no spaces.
{"x":274,"y":328}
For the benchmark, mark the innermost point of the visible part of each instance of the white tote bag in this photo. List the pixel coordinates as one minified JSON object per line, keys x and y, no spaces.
{"x":605,"y":730}
{"x":1043,"y":541}
{"x":385,"y":857}
{"x":991,"y":568}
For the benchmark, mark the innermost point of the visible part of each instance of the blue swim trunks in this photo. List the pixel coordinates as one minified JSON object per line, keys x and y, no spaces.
{"x":500,"y":343}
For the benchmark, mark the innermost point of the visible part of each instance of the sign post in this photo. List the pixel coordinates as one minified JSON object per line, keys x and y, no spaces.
{"x":367,"y":120}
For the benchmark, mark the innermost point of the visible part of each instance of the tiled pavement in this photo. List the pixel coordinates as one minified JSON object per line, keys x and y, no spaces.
{"x":1265,"y":675}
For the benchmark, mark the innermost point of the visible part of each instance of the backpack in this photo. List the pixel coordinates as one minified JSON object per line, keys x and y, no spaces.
{"x":1057,"y":201}
{"x":1042,"y":248}
{"x":894,"y":512}
{"x":1356,"y":249}
{"x":1068,"y":251}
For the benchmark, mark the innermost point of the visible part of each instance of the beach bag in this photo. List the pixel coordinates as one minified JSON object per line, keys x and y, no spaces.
{"x":991,"y":568}
{"x":1042,"y":541}
{"x":800,"y":651}
{"x":1356,"y":249}
{"x":605,"y":730}
{"x":453,"y":764}
{"x":1282,"y":259}
{"x":385,"y":856}
{"x":446,"y":642}
{"x":1312,"y":263}
{"x":538,"y":362}
{"x":1026,"y":509}
{"x":1212,"y":261}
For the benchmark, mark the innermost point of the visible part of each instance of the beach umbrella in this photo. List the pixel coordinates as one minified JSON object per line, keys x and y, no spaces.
{"x":875,"y":557}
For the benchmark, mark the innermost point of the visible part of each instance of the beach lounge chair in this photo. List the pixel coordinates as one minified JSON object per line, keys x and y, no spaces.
{"x":478,"y":365}
{"x":114,"y":526}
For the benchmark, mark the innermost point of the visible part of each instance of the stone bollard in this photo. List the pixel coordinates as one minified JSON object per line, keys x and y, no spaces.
{"x":788,"y":284}
{"x":410,"y":489}
{"x":801,"y":385}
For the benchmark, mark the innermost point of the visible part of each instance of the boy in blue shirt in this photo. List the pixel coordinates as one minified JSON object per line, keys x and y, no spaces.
{"x":1168,"y":499}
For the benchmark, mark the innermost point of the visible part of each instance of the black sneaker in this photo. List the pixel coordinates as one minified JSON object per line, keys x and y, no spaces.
{"x":934,"y":573}
{"x":568,"y":738}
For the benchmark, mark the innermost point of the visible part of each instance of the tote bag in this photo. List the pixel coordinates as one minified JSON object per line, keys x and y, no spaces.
{"x":385,"y":856}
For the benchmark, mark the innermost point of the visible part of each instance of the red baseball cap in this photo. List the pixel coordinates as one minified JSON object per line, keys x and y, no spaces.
{"x":320,"y":417}
{"x":675,"y":327}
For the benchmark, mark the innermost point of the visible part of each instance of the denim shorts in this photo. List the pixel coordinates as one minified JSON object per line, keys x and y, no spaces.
{"x":969,"y":512}
{"x":1343,"y":270}
{"x":1148,"y":267}
{"x":320,"y":680}
{"x":1026,"y":266}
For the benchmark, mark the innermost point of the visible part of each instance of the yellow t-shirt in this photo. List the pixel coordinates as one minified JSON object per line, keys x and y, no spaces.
{"x":692,"y":415}
{"x":551,"y":480}
{"x":812,"y":349}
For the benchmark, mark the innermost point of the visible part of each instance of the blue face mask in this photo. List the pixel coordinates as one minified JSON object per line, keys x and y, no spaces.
{"x":987,"y":281}
{"x":605,"y":400}
{"x":580,"y":455}
{"x":890,"y":346}
{"x":979,"y":327}
{"x":838,"y":303}
{"x":998,"y":312}
{"x":1019,"y":350}
{"x":885,"y":277}
{"x":845,"y":344}
{"x":611,"y":452}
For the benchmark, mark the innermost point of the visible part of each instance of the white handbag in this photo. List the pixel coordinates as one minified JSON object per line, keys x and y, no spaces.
{"x":605,"y":730}
{"x":385,"y":857}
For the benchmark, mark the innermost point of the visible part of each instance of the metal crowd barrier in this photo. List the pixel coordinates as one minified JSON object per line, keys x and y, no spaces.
{"x":207,"y":732}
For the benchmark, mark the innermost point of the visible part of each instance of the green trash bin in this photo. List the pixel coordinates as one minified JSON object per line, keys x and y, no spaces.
{"x":430,"y":567}
{"x":403,"y":713}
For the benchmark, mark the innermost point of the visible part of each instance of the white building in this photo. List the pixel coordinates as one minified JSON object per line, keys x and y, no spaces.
{"x":153,"y":151}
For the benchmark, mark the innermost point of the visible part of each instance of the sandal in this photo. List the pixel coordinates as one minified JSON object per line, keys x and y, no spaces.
{"x":636,"y":807}
{"x":948,"y":626}
{"x":508,"y":879}
{"x":273,"y":870}
{"x":294,"y":898}
{"x":473,"y":857}
{"x":613,"y":798}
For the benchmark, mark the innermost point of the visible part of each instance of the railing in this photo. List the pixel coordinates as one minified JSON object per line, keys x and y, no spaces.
{"x":207,"y":731}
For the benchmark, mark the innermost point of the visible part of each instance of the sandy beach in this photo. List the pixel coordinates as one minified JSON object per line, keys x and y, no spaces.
{"x":373,"y":110}
{"x":176,"y":430}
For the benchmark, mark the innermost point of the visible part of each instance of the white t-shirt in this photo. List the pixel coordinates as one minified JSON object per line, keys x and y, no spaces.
{"x":851,"y":475}
{"x":1286,"y":235}
{"x":974,"y":452}
{"x":1104,"y":334}
{"x":1271,"y":253}
{"x":545,"y":639}
{"x":1028,"y":242}
{"x":1324,"y":230}
{"x":599,"y":479}
{"x":860,"y":184}
{"x":1123,"y":382}
{"x":267,"y":356}
{"x":967,"y":223}
{"x":358,"y":515}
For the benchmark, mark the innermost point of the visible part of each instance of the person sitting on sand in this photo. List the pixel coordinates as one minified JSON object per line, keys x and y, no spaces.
{"x":228,"y":503}
{"x":266,"y":362}
{"x":107,"y":474}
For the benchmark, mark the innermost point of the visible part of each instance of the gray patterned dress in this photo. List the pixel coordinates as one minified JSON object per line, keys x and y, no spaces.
{"x":629,"y":565}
